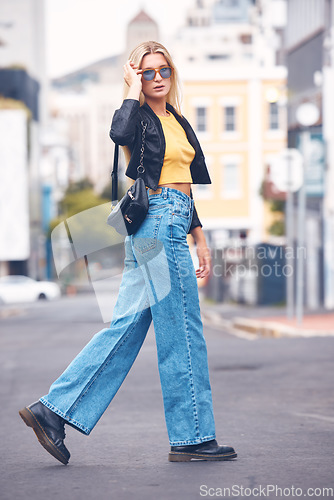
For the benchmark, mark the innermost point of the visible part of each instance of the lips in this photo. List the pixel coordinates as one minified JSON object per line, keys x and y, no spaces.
{"x":159,"y":87}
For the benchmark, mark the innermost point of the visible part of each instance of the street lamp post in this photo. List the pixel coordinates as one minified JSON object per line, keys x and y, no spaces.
{"x":289,"y":242}
{"x":307,"y":114}
{"x":286,"y":171}
{"x":301,"y":237}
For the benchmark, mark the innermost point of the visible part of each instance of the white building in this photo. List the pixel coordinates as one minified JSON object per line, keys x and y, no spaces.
{"x":310,"y":60}
{"x":22,"y":46}
{"x":22,"y":41}
{"x":85,"y":101}
{"x":238,"y":32}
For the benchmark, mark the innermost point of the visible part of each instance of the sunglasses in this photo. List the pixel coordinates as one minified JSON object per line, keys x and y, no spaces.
{"x":149,"y":74}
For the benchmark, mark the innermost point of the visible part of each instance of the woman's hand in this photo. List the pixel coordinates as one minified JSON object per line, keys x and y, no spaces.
{"x":204,"y":258}
{"x":203,"y":253}
{"x":132,"y":75}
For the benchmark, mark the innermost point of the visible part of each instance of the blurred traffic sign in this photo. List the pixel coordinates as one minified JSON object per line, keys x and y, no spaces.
{"x":307,"y":114}
{"x":315,"y":166}
{"x":286,"y":170}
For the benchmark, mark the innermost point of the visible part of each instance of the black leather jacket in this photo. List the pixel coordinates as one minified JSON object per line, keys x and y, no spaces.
{"x":126,"y":130}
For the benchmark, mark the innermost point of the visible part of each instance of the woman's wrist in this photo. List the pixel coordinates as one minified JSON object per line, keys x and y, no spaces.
{"x":198,"y":235}
{"x":134,"y":91}
{"x":203,"y":253}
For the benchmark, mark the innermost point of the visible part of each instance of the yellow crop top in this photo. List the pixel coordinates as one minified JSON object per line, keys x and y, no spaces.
{"x":178,"y":154}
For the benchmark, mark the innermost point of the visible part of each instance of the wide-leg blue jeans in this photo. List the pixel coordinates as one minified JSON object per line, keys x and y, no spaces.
{"x":159,"y":283}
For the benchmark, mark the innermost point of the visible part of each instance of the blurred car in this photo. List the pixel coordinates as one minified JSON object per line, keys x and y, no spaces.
{"x":16,"y":288}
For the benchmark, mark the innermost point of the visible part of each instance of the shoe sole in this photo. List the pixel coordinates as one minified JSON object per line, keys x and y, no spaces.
{"x":31,"y":421}
{"x":175,"y":456}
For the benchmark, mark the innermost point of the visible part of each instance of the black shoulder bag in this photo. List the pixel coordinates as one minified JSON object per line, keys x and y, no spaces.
{"x":129,"y":213}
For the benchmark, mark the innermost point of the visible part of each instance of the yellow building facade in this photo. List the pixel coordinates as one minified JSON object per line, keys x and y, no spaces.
{"x":240,"y":121}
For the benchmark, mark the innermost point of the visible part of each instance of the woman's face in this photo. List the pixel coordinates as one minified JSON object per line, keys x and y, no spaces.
{"x":158,"y":87}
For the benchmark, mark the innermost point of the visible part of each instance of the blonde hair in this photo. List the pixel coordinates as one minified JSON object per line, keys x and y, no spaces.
{"x":174,"y":95}
{"x":137,"y":55}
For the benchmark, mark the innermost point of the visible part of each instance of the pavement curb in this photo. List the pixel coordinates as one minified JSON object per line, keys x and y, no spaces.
{"x":276,"y":329}
{"x":252,"y":329}
{"x":8,"y":313}
{"x":215,"y":320}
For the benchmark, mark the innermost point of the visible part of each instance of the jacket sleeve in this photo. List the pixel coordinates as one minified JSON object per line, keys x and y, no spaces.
{"x":195,"y":222}
{"x":123,"y":125}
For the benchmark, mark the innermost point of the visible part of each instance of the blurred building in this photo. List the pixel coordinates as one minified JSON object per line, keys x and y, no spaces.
{"x":23,"y":80}
{"x":84,"y":102}
{"x":22,"y":42}
{"x":230,"y":60}
{"x":310,"y":61}
{"x":140,"y":29}
{"x":240,"y":129}
{"x":233,"y":32}
{"x":231,"y":63}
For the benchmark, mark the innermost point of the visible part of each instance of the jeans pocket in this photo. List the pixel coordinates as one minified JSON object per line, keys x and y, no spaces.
{"x":181,"y":209}
{"x":145,"y":239}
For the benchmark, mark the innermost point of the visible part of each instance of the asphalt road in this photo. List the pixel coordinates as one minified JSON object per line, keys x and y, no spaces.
{"x":273,"y":401}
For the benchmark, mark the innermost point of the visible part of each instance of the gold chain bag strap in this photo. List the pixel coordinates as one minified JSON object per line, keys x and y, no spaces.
{"x":130,"y":212}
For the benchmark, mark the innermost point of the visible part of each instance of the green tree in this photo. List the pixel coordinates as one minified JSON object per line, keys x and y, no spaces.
{"x":277,"y":206}
{"x":277,"y":228}
{"x":107,"y":191}
{"x":79,"y":196}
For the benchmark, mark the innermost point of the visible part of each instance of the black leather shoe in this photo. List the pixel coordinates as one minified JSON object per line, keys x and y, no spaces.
{"x":49,"y":429}
{"x":209,"y":450}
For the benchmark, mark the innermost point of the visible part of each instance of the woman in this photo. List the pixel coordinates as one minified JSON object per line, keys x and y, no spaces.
{"x":159,"y":281}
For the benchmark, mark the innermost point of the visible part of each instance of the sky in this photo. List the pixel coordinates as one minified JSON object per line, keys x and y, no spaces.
{"x":79,"y":32}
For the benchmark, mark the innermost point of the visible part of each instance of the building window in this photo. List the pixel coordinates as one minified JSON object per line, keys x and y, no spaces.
{"x":229,"y":3}
{"x":217,"y":57}
{"x":231,"y":187}
{"x":201,"y":119}
{"x":246,"y":38}
{"x":273,"y":116}
{"x":229,"y":118}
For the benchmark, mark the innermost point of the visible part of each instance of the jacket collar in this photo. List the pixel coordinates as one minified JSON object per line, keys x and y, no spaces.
{"x":182,"y":121}
{"x":169,"y":108}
